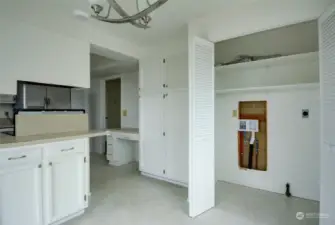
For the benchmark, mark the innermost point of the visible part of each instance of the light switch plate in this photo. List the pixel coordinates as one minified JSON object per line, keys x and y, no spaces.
{"x":235,"y":113}
{"x":124,"y":112}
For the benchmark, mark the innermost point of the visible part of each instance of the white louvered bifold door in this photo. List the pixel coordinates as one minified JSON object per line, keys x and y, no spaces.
{"x":327,"y":83}
{"x":201,"y":125}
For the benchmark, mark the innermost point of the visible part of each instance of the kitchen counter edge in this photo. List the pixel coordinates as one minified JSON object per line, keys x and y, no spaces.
{"x":11,"y":142}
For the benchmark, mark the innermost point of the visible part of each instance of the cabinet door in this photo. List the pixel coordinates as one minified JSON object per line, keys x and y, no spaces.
{"x":21,"y":195}
{"x":152,"y":148}
{"x":177,"y":71}
{"x":152,"y":74}
{"x":35,"y":96}
{"x":65,"y":188}
{"x":176,"y":126}
{"x":59,"y":98}
{"x":79,"y":98}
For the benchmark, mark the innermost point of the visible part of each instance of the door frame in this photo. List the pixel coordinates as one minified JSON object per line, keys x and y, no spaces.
{"x":102,"y":97}
{"x":116,"y":77}
{"x":98,"y":119}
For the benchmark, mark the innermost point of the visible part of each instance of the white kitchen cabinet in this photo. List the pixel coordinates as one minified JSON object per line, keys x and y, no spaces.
{"x":176,"y":128}
{"x":122,"y":147}
{"x":65,"y":186}
{"x":44,"y":184}
{"x":29,"y":53}
{"x":177,"y":72}
{"x":164,"y":119}
{"x":152,"y":149}
{"x":161,"y":74}
{"x":152,"y":75}
{"x":21,"y":194}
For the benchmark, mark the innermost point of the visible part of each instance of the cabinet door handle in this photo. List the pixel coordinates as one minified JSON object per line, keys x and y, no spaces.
{"x":123,"y":138}
{"x":67,"y":149}
{"x":17,"y":158}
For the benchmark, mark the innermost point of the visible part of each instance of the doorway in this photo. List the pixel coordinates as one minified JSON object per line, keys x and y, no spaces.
{"x":113,"y":103}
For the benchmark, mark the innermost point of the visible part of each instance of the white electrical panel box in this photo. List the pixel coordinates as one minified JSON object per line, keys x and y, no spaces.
{"x":248,"y":125}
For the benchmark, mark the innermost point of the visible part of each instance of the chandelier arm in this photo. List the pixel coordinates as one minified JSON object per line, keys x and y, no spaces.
{"x":108,"y":13}
{"x":134,"y":17}
{"x":123,"y":14}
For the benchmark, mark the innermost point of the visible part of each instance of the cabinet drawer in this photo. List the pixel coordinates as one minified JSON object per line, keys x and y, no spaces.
{"x":124,"y":136}
{"x":109,"y":157}
{"x":58,"y":149}
{"x":110,"y":140}
{"x":110,"y":149}
{"x":17,"y":156}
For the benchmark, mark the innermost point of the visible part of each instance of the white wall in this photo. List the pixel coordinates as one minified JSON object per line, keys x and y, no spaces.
{"x":42,"y":41}
{"x":96,"y":121}
{"x":57,"y":17}
{"x":177,"y":44}
{"x":293,"y":142}
{"x":32,"y":54}
{"x":129,"y":101}
{"x":291,"y":70}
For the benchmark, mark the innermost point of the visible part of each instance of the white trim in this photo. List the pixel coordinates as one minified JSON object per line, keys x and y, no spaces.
{"x":115,"y":163}
{"x":113,"y":77}
{"x":271,"y":88}
{"x":165,"y":179}
{"x":69,"y":218}
{"x":326,"y":14}
{"x":103,"y":98}
{"x":191,"y":43}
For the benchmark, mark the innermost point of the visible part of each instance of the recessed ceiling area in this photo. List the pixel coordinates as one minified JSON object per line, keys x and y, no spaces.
{"x":105,"y":63}
{"x":98,"y":61}
{"x":288,"y":40}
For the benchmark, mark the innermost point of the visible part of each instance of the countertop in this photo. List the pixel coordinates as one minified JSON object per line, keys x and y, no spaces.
{"x":10,"y":141}
{"x":125,"y":130}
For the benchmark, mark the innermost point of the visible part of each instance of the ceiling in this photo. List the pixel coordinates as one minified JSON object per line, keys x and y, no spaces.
{"x":98,"y":61}
{"x":167,"y":20}
{"x":103,"y":66}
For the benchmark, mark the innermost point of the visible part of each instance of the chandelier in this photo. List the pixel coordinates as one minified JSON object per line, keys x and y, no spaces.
{"x":141,"y":19}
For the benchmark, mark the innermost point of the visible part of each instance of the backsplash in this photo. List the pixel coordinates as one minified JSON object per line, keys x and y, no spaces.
{"x":5,"y":123}
{"x":6,"y":108}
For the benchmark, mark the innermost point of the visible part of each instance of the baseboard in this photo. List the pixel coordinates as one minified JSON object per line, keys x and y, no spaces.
{"x":69,"y":218}
{"x":117,"y":163}
{"x":165,"y":179}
